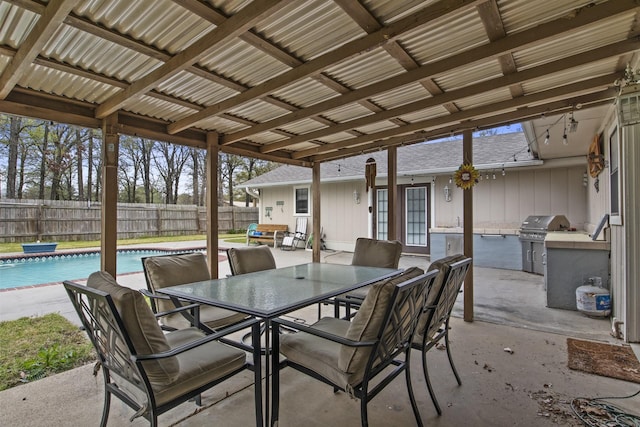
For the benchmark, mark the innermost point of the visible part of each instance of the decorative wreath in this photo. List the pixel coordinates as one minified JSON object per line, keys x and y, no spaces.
{"x":466,"y":176}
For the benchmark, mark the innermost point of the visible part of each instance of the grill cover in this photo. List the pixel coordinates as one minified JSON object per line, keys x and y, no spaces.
{"x":544,"y":223}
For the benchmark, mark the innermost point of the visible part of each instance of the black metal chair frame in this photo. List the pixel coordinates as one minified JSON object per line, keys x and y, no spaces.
{"x":438,"y":315}
{"x":393,"y":341}
{"x":105,"y":328}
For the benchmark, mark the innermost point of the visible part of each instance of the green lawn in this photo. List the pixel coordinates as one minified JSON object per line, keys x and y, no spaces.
{"x":36,"y":347}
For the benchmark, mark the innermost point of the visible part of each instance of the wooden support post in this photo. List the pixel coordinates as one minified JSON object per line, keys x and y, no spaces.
{"x":315,"y":190}
{"x":212,"y":203}
{"x":392,"y":181}
{"x":467,"y":148}
{"x":109,"y":213}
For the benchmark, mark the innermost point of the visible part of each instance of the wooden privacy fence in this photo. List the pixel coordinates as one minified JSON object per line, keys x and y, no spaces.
{"x":51,"y":220}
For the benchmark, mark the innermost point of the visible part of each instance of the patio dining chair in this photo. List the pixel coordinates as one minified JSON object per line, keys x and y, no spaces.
{"x":368,"y":253}
{"x":148,"y":370}
{"x":251,"y":259}
{"x":290,"y":240}
{"x":177,"y":269}
{"x":243,"y":260}
{"x":354,"y":355}
{"x":433,"y":324}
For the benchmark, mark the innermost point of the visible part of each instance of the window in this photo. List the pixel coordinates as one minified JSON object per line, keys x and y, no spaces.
{"x":301,"y":200}
{"x":416,"y":213}
{"x":383,"y":214}
{"x":614,"y":178}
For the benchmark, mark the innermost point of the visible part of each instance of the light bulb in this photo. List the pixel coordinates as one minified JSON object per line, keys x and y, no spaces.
{"x":503,"y":172}
{"x":546,"y":140}
{"x":565,"y":141}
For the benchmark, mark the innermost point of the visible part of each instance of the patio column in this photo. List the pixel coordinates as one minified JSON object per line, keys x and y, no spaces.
{"x":392,"y":181}
{"x":109,"y":210}
{"x":212,"y":203}
{"x":467,"y":155}
{"x":315,"y":190}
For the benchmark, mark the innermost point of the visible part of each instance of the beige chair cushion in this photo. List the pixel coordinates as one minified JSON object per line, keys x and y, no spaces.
{"x":344,"y":365}
{"x":377,"y":253}
{"x":163,"y":271}
{"x":141,"y":326}
{"x":443,"y":265}
{"x":367,"y":322}
{"x":198,"y":366}
{"x":318,"y":354}
{"x":250,"y":259}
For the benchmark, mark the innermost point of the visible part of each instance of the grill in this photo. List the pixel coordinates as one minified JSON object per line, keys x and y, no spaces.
{"x":535,"y":227}
{"x":532,"y":233}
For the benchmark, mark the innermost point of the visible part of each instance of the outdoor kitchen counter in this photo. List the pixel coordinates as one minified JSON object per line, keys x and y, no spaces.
{"x":571,"y":259}
{"x":574,"y":240}
{"x":492,"y":247}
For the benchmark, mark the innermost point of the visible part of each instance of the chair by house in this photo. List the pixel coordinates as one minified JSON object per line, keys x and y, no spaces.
{"x":290,"y":240}
{"x":352,"y":356}
{"x":148,"y":370}
{"x":177,"y":269}
{"x":433,"y":325}
{"x":368,"y":253}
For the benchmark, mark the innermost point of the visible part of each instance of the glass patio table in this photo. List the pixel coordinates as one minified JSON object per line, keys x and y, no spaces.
{"x":272,"y":293}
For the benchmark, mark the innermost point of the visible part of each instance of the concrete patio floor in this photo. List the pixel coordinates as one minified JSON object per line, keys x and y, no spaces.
{"x":530,"y":387}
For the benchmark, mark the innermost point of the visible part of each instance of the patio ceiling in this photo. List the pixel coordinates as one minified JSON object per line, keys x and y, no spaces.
{"x":311,"y":80}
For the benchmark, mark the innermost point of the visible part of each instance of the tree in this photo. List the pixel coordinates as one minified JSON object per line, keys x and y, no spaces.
{"x":145,"y":148}
{"x":14,"y":134}
{"x":250,"y":169}
{"x":79,"y":158}
{"x":169,"y":161}
{"x":60,"y":157}
{"x":129,"y":168}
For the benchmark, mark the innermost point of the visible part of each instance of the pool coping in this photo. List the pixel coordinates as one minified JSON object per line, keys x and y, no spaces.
{"x":84,"y":251}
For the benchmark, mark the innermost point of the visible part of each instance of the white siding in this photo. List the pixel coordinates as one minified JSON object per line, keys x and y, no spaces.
{"x":503,"y":203}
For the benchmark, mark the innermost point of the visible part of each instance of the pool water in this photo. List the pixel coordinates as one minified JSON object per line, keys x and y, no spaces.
{"x":30,"y":271}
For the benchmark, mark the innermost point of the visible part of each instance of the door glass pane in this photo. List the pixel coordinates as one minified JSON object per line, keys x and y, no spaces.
{"x":416,"y":215}
{"x":383,"y":214}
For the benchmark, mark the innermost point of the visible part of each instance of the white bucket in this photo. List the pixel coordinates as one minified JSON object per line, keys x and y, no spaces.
{"x":593,"y":300}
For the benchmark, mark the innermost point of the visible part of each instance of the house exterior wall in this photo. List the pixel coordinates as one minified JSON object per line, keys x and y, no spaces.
{"x":343,"y":220}
{"x":500,"y":205}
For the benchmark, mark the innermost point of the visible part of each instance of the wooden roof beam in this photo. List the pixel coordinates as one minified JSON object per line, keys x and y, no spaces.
{"x":467,"y":91}
{"x":492,"y":21}
{"x":328,"y":59}
{"x":50,"y":20}
{"x":556,"y":107}
{"x":591,"y":85}
{"x":499,"y":47}
{"x":231,"y":28}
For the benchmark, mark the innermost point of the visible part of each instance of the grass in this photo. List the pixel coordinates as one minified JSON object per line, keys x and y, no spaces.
{"x":35,"y":347}
{"x":237,"y":238}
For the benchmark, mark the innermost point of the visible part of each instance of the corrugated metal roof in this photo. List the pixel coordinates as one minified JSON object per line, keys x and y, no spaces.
{"x":323,"y":68}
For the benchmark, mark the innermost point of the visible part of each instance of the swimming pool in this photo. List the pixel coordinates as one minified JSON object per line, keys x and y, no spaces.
{"x":35,"y":270}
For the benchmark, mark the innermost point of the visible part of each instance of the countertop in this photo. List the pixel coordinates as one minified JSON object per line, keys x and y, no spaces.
{"x":574,"y":240}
